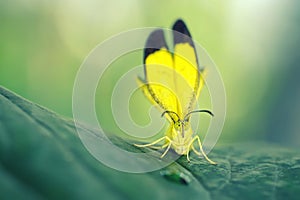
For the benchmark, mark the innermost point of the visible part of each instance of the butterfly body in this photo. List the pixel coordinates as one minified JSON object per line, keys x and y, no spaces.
{"x":173,"y":81}
{"x":180,"y":135}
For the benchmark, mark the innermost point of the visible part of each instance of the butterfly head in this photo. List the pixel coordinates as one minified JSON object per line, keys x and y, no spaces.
{"x":181,"y":126}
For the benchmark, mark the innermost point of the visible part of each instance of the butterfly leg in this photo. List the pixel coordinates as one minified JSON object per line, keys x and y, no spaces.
{"x":152,"y":143}
{"x":187,"y":155}
{"x":159,"y":147}
{"x":201,"y":148}
{"x":188,"y":149}
{"x":191,"y":145}
{"x":195,"y":150}
{"x":168,"y":148}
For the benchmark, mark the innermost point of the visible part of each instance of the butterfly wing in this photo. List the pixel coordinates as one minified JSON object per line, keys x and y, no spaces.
{"x":172,"y":81}
{"x":188,"y":81}
{"x":158,"y":85}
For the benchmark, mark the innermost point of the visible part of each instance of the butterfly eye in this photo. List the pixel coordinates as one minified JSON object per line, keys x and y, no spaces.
{"x":177,"y":124}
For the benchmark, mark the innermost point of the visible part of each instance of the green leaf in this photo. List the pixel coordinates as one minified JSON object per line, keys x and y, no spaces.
{"x":41,"y":156}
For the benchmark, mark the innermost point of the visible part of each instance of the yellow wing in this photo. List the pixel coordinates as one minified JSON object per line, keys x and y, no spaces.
{"x":159,"y":86}
{"x":172,"y":81}
{"x":190,"y":80}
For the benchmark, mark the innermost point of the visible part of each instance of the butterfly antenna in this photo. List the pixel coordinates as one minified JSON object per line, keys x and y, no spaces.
{"x":195,"y":111}
{"x":169,"y":111}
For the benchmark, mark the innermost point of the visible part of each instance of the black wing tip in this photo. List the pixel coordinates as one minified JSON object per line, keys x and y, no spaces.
{"x":181,"y":27}
{"x":181,"y":33}
{"x":179,"y":23}
{"x":155,"y":42}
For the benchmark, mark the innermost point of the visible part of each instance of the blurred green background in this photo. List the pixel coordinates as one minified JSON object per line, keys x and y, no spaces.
{"x":254,"y":43}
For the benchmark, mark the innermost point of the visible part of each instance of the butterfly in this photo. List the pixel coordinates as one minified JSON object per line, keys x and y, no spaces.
{"x":173,"y":81}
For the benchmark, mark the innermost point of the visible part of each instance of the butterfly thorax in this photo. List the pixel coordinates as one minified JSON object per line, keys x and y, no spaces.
{"x":180,"y":134}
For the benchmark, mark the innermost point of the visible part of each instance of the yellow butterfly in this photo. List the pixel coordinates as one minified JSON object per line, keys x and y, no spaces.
{"x":173,"y":82}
